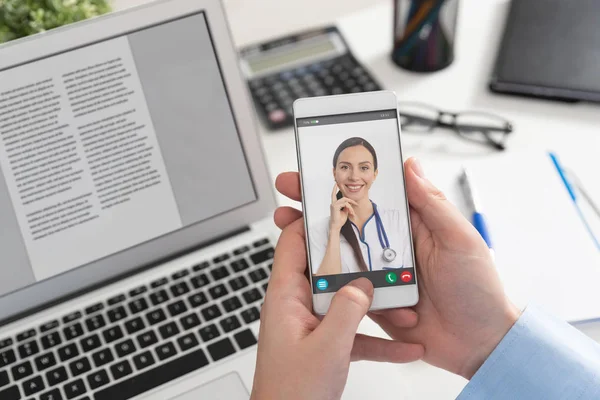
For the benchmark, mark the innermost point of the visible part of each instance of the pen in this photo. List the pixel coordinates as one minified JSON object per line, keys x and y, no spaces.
{"x":478,"y":218}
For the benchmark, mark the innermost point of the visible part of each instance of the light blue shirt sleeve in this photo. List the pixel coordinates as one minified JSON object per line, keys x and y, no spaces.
{"x":541,"y":357}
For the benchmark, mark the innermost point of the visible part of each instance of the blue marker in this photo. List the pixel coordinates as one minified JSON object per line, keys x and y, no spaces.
{"x":478,"y":218}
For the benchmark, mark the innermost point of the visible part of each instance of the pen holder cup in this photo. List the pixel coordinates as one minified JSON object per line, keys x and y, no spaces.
{"x":424,"y":33}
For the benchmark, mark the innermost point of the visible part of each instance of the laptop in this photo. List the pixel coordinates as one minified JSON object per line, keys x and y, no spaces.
{"x":135,"y":249}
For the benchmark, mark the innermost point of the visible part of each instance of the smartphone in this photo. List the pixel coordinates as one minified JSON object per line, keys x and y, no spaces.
{"x":356,"y":213}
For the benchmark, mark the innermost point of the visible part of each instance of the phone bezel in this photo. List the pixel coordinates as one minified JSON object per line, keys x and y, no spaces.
{"x":384,"y":297}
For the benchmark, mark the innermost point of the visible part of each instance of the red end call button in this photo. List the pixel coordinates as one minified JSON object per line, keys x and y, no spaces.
{"x":406,"y":276}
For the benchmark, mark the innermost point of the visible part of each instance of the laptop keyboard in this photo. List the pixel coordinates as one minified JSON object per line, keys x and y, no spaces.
{"x":138,"y":340}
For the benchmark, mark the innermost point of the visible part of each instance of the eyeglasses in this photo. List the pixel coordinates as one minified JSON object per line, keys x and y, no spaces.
{"x":478,"y":127}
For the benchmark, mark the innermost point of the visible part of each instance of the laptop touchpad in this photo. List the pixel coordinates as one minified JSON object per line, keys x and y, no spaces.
{"x":228,"y":387}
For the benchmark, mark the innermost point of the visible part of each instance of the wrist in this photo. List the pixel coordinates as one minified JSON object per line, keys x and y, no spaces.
{"x":481,"y":350}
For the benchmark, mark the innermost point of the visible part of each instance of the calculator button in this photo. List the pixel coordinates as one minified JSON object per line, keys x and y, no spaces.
{"x":363,"y":80}
{"x":287,"y":75}
{"x":271,"y":107}
{"x":261,"y":91}
{"x":255,"y":84}
{"x":300,"y":71}
{"x":355,"y":89}
{"x":337,"y":90}
{"x":350,"y":83}
{"x":370,"y":87}
{"x":337,"y":69}
{"x":266,"y":99}
{"x":329,"y":80}
{"x":277,"y":116}
{"x":320,"y":92}
{"x":343,"y":76}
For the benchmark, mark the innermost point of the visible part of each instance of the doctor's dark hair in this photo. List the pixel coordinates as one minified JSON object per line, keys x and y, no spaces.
{"x":347,"y":232}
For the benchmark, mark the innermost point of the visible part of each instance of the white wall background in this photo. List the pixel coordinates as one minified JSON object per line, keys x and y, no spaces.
{"x":317,"y":147}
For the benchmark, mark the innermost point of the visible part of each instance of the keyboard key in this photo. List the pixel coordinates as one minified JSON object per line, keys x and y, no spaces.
{"x":230,"y":323}
{"x":241,"y":250}
{"x":138,"y":305}
{"x":251,"y":315}
{"x":180,"y":274}
{"x":239,"y":265}
{"x":189,"y":321}
{"x":238,"y":283}
{"x":231,"y":304}
{"x":28,"y":349}
{"x":245,"y":339}
{"x":219,"y":273}
{"x":201,"y":266}
{"x":221,"y":258}
{"x":71,"y":317}
{"x":53,"y":394}
{"x":165,"y":351}
{"x":116,"y":300}
{"x":156,"y":316}
{"x":258,"y":275}
{"x":159,"y":297}
{"x":97,"y":379}
{"x":263,"y":255}
{"x":153,"y":378}
{"x":4,"y":379}
{"x":90,"y":343}
{"x":168,"y":330}
{"x":5,"y":343}
{"x":25,"y":335}
{"x":7,"y":357}
{"x":50,"y":340}
{"x":67,"y":352}
{"x":33,"y":385}
{"x":143,"y":360}
{"x":45,"y":361}
{"x":187,"y":342}
{"x":116,"y":314}
{"x":137,"y":291}
{"x":125,"y":347}
{"x":73,"y":331}
{"x":199,"y":281}
{"x":134,"y":325}
{"x":197,"y":299}
{"x":218,"y":291}
{"x":56,"y":376}
{"x":10,"y":393}
{"x":179,"y":289}
{"x":48,"y":326}
{"x":112,"y":334}
{"x":252,"y":295}
{"x":221,"y":349}
{"x":121,"y":369}
{"x":95,"y":322}
{"x":177,"y":308}
{"x":102,"y":357}
{"x":74,"y":388}
{"x":22,"y":370}
{"x":158,"y":283}
{"x":146,"y":339}
{"x":261,"y":242}
{"x":93,"y":308}
{"x":80,"y":366}
{"x":211,"y":312}
{"x":209,"y":332}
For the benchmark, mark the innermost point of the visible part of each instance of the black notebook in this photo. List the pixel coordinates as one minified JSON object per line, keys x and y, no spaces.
{"x":550,"y":49}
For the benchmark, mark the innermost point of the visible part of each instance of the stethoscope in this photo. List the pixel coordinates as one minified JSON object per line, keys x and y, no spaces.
{"x":389,"y":254}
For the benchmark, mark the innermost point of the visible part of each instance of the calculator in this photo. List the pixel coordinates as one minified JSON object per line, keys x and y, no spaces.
{"x":307,"y":64}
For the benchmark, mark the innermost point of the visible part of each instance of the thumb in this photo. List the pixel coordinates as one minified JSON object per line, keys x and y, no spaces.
{"x":348,"y":307}
{"x":434,"y":210}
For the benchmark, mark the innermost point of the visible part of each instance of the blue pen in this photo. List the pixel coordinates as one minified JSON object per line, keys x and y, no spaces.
{"x":478,"y":218}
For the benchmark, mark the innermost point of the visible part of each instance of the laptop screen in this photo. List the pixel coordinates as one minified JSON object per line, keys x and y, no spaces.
{"x":108,"y":146}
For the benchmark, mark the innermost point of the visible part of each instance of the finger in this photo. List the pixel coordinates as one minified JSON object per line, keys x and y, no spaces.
{"x":399,"y":317}
{"x":348,"y":307}
{"x":350,"y":210}
{"x":436,"y":212}
{"x":285,"y":216}
{"x":334,"y":193}
{"x":288,"y":184}
{"x":384,"y":350}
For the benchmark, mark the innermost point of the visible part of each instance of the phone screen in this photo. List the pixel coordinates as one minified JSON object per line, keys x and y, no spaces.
{"x":355,"y":207}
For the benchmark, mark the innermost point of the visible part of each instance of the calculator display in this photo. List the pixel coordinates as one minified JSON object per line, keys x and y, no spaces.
{"x":292,"y":55}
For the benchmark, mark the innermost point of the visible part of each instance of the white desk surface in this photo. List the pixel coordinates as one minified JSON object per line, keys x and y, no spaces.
{"x":571,"y":129}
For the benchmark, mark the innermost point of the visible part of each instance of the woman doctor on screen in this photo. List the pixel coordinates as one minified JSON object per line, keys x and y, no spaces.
{"x":358,"y":236}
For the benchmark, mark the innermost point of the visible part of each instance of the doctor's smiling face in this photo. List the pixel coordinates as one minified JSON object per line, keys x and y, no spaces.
{"x":355,"y":168}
